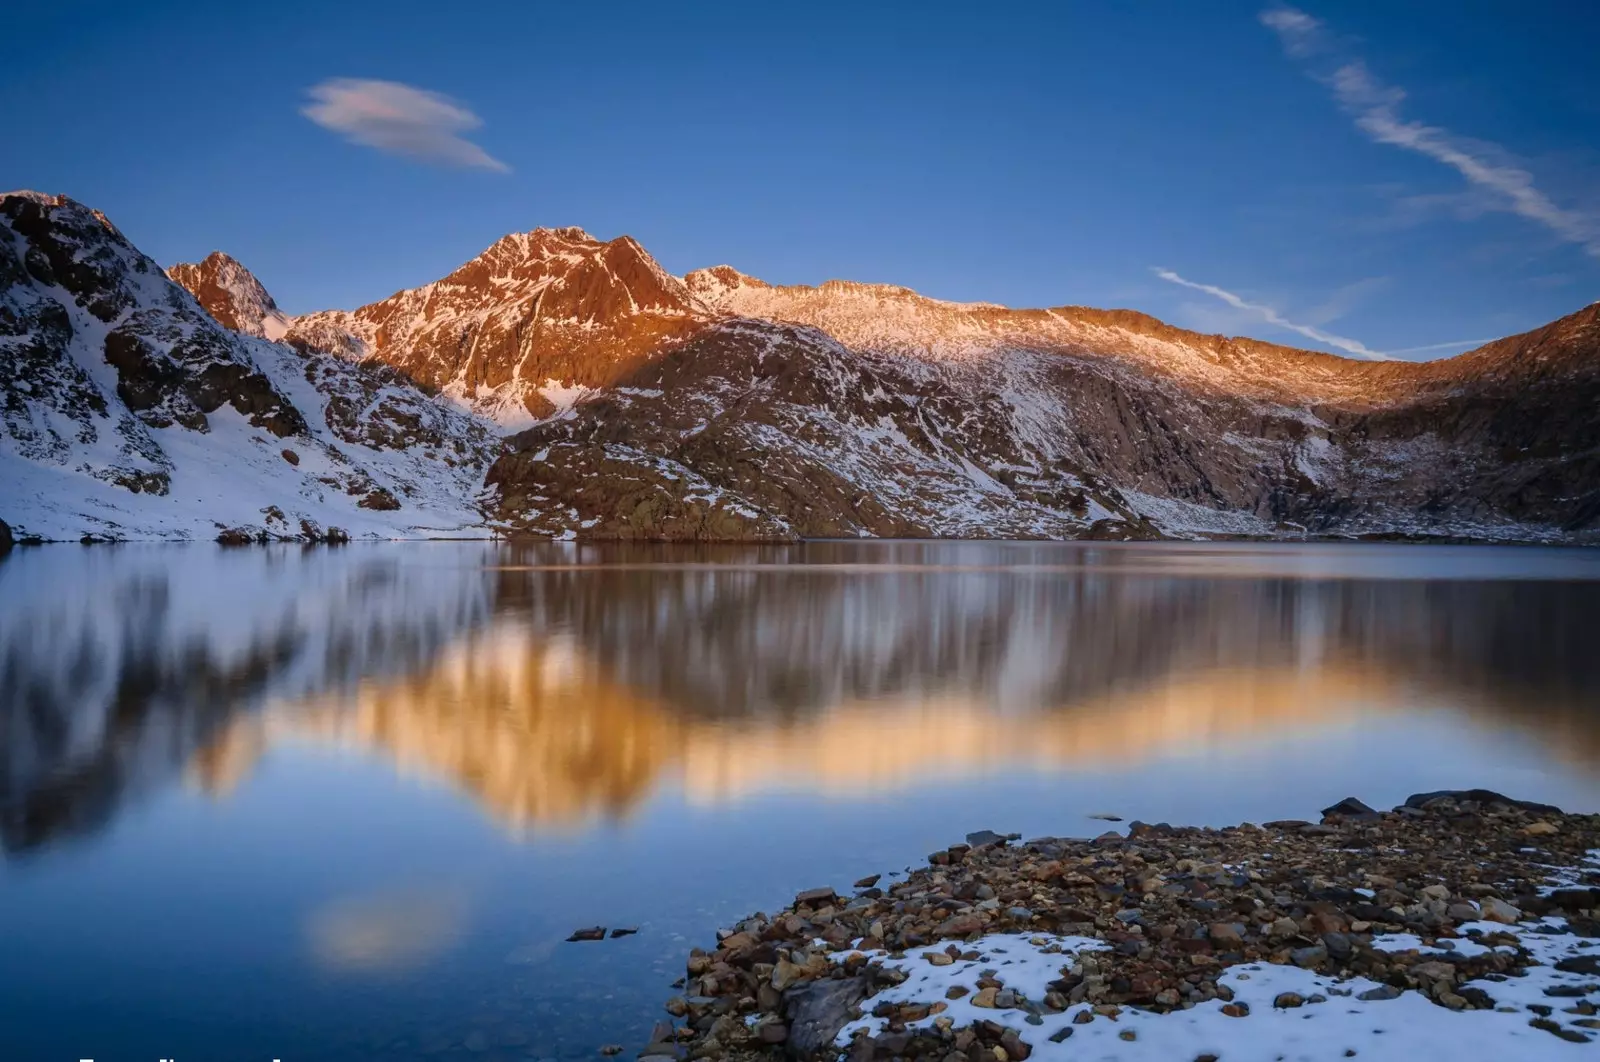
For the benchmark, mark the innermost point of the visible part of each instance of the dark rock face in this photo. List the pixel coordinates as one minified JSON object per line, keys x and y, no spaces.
{"x":6,"y":541}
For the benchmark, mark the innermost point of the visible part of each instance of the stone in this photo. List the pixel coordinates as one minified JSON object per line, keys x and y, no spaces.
{"x":938,"y":958}
{"x":1540,"y":829}
{"x":1285,"y":1000}
{"x":1306,"y":958}
{"x":611,"y":1050}
{"x":869,"y":881}
{"x":624,"y":931}
{"x":983,"y":838}
{"x":1580,"y":964}
{"x":1061,"y":1035}
{"x":1381,"y":992}
{"x":1350,"y":807}
{"x":817,"y":1010}
{"x":592,"y":933}
{"x":1462,"y":912}
{"x":815,"y":898}
{"x":1478,"y":796}
{"x":677,"y":1006}
{"x":1236,"y":1010}
{"x":1224,"y":934}
{"x":1497,"y":910}
{"x":772,"y":1032}
{"x":986,"y":998}
{"x":1435,"y":892}
{"x":956,"y":991}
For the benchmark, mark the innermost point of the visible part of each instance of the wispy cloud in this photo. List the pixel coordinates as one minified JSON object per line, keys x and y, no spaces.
{"x":400,"y":119}
{"x":1271,"y":316}
{"x":1375,"y":107}
{"x":1459,"y":344}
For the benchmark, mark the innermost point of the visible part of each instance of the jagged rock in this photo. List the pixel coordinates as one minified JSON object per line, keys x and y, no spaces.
{"x":6,"y":539}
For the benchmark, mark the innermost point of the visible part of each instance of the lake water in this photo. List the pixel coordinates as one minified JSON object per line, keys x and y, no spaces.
{"x":345,"y":804}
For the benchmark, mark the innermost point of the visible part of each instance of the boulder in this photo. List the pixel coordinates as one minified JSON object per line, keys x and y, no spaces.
{"x":1350,"y":808}
{"x":1478,"y":796}
{"x":6,"y":541}
{"x":817,"y":1010}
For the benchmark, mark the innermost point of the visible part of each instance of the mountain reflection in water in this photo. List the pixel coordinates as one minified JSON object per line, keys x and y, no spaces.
{"x":557,"y":684}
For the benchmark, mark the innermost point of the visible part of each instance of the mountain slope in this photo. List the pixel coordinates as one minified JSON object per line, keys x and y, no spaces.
{"x":129,"y":412}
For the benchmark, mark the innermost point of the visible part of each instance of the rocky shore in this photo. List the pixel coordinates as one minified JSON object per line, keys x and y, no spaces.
{"x":1458,"y":925}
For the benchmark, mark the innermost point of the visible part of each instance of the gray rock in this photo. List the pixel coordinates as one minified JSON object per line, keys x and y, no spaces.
{"x":1478,"y":796}
{"x":985,"y":837}
{"x":817,"y":1010}
{"x":1350,"y":807}
{"x":1497,"y":910}
{"x":1308,"y":957}
{"x":1381,"y":992}
{"x":1338,"y":944}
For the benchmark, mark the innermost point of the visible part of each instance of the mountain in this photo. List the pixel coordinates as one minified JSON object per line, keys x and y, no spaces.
{"x":637,"y":404}
{"x":524,"y":329}
{"x":231,"y":293}
{"x":128,"y":411}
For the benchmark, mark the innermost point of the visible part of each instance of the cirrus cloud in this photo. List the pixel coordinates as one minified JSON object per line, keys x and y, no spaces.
{"x":1375,"y":108}
{"x":401,"y":120}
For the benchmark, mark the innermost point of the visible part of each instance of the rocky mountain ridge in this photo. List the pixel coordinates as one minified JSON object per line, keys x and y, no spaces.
{"x":129,"y":412}
{"x":642,"y":405}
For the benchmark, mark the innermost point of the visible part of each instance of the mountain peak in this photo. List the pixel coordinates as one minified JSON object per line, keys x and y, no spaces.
{"x":231,"y":293}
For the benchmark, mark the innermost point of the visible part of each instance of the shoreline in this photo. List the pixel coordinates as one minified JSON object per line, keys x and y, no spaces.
{"x":1459,"y":924}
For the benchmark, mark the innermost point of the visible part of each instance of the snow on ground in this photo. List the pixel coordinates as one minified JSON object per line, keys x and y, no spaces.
{"x":1335,"y":1022}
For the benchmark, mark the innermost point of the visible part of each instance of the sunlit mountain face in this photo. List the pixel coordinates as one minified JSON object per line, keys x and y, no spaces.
{"x":558,"y":686}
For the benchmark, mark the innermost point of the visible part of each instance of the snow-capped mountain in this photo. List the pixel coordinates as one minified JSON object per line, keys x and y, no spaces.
{"x":130,"y":412}
{"x":232,"y":295}
{"x":717,"y":406}
{"x":524,"y":329}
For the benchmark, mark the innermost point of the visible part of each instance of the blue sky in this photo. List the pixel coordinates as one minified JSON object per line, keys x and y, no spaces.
{"x":1026,"y":154}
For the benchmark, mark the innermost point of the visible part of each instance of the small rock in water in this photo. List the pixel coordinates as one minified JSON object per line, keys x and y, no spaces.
{"x":1106,"y":817}
{"x":611,"y":1049}
{"x":624,"y":931}
{"x":814,"y":897}
{"x":985,"y":837}
{"x":592,"y":933}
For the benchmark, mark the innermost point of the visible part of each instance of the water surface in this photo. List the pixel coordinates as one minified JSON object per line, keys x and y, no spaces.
{"x":346,"y":804}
